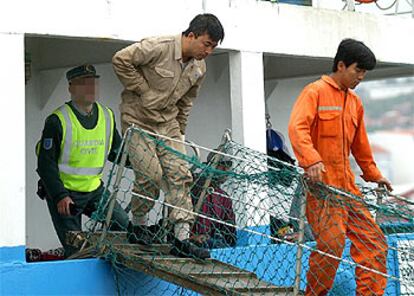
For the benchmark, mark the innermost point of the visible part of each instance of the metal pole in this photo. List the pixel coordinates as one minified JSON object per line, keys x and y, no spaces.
{"x":112,"y":198}
{"x":301,"y":237}
{"x":214,"y":161}
{"x":412,"y":8}
{"x":381,"y":193}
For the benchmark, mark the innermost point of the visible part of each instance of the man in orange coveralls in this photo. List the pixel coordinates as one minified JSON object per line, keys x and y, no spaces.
{"x":326,"y":124}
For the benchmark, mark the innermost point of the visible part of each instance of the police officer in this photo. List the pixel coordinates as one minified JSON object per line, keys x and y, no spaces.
{"x":77,"y":139}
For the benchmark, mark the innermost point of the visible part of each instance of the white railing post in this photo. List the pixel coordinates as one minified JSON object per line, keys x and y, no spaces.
{"x":351,"y":5}
{"x":301,"y":238}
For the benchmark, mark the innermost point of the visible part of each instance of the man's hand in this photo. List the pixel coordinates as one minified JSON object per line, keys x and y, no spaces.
{"x":384,"y":182}
{"x":314,"y":172}
{"x":63,"y":206}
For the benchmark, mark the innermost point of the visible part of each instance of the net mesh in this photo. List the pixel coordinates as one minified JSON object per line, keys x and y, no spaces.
{"x":256,"y":217}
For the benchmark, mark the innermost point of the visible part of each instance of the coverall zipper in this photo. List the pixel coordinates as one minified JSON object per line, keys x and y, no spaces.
{"x":343,"y":137}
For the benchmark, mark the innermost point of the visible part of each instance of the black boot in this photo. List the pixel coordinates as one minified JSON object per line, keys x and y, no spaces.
{"x":157,"y":233}
{"x":187,"y":249}
{"x":139,"y":234}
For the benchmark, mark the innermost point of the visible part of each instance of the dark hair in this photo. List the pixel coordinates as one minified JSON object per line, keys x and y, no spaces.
{"x":353,"y":51}
{"x":206,"y":23}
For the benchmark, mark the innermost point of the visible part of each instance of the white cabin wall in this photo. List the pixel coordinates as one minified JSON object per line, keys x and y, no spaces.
{"x":250,"y":25}
{"x":211,"y":113}
{"x":280,"y":103}
{"x":12,"y":160}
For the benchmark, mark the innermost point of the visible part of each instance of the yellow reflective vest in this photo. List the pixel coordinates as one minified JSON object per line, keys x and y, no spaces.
{"x":83,"y":152}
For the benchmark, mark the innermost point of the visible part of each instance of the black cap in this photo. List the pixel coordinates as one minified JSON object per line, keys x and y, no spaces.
{"x":83,"y":71}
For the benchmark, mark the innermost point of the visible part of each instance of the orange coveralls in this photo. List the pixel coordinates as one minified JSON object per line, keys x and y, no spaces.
{"x":326,"y":124}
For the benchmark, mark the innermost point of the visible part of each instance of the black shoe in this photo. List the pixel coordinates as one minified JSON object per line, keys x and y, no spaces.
{"x":187,"y":249}
{"x":157,"y":233}
{"x":139,"y":234}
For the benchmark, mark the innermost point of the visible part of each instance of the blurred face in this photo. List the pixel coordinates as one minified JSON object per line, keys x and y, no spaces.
{"x":202,"y":46}
{"x":350,"y":76}
{"x":84,"y":90}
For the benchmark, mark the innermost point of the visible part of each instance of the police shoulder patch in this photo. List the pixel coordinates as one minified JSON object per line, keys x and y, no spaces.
{"x":47,"y":143}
